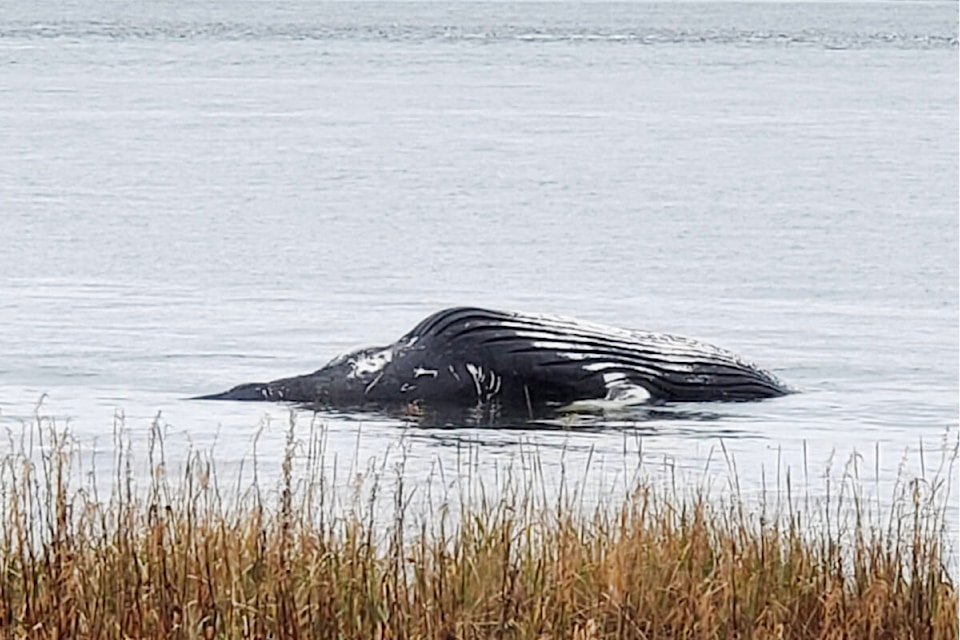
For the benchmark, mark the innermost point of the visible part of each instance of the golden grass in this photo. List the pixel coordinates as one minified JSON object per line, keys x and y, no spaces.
{"x":178,"y":558}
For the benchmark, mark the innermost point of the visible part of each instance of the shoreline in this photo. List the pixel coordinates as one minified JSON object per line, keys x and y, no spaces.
{"x":185,"y":555}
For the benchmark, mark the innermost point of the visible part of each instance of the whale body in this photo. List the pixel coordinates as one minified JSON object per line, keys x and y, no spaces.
{"x":524,"y":364}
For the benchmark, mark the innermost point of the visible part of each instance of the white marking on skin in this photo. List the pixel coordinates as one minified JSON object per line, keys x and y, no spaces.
{"x":373,"y":383}
{"x":371,"y":363}
{"x":559,"y":346}
{"x":556,"y":332}
{"x":620,"y":395}
{"x":486,"y":383}
{"x":420,"y":371}
{"x":476,"y":374}
{"x":610,"y":378}
{"x":406,"y":386}
{"x":579,"y":345}
{"x":453,"y":372}
{"x":627,"y":394}
{"x":563,"y":322}
{"x":495,"y":384}
{"x":573,"y":355}
{"x":600,"y":366}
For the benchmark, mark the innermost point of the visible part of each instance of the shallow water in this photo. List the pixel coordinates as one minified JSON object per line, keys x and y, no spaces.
{"x":200,"y":194}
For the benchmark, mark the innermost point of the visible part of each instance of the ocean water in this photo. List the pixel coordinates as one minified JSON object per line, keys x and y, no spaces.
{"x":194,"y":195}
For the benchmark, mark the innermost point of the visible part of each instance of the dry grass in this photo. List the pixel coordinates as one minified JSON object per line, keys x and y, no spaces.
{"x":178,"y":559}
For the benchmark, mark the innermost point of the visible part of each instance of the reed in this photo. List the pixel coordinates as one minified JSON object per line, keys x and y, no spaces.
{"x":183,"y":556}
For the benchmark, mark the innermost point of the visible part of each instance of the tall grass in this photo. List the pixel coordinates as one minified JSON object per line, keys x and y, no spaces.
{"x":182,"y":556}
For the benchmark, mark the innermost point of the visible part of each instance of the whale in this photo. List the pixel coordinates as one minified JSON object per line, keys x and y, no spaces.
{"x":513,"y":363}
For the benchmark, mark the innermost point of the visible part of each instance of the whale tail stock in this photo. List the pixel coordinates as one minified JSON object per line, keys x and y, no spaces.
{"x":305,"y":388}
{"x":252,"y":391}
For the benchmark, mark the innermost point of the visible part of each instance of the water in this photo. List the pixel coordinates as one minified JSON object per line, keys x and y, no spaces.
{"x":195,"y":195}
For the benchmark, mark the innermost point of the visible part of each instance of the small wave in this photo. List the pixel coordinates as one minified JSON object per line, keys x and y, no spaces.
{"x":225,"y":31}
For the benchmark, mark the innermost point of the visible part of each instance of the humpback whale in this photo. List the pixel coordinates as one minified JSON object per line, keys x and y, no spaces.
{"x":519,"y":364}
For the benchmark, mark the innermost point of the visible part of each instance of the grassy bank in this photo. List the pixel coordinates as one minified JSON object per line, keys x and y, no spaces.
{"x":184,"y":557}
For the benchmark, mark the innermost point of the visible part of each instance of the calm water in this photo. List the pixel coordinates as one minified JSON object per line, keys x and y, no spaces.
{"x":199,"y":194}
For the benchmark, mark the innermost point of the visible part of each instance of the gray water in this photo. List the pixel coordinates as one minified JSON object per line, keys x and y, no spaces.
{"x":195,"y":195}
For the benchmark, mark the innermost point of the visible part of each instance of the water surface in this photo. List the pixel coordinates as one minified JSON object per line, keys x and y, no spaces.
{"x":195,"y":195}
